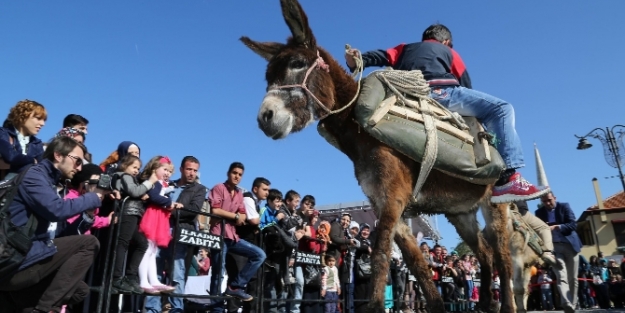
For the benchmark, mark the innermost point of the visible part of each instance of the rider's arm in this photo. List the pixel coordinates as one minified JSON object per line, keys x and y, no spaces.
{"x":459,"y":70}
{"x":377,"y":58}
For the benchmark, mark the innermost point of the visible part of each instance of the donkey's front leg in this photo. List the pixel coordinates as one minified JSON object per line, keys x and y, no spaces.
{"x":381,"y":256}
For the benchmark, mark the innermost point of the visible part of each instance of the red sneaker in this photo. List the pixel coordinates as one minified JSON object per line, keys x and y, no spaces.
{"x":517,"y":189}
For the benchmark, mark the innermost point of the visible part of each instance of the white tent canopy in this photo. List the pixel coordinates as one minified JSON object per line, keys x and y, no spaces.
{"x":362,"y":212}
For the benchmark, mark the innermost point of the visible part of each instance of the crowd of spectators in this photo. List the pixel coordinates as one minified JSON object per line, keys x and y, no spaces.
{"x":276,"y":245}
{"x":73,"y":199}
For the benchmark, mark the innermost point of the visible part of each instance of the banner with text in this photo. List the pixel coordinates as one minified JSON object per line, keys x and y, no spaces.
{"x":200,"y":239}
{"x":307,"y":258}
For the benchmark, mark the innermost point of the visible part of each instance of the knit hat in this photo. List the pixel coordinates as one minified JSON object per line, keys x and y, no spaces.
{"x":87,"y":171}
{"x":69,"y":132}
{"x":354,"y":224}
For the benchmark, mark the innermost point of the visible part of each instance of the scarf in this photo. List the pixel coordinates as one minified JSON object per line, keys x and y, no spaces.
{"x":23,"y":140}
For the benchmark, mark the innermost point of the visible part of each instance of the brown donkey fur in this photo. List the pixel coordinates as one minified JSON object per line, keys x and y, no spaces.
{"x":522,"y":261}
{"x":386,"y":176}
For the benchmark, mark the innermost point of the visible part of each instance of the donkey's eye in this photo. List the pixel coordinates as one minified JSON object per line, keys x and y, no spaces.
{"x":297,"y":64}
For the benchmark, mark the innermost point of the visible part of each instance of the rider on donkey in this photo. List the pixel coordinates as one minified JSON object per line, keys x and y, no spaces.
{"x":451,"y":86}
{"x":444,"y":70}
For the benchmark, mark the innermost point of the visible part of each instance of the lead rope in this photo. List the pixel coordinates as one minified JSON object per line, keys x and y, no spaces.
{"x":357,"y":73}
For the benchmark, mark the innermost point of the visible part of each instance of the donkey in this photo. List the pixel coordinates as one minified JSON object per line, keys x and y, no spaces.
{"x":306,"y":84}
{"x":523,"y":258}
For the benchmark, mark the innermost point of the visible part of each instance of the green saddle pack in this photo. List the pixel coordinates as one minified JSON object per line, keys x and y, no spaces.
{"x":454,"y":156}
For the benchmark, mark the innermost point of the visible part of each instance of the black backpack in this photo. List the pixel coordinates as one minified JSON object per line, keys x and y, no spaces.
{"x":15,"y":241}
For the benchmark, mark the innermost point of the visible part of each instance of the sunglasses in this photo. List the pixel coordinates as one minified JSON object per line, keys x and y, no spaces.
{"x":77,"y":160}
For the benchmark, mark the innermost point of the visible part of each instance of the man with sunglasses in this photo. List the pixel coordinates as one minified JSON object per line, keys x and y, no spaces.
{"x":51,"y":274}
{"x":450,"y":85}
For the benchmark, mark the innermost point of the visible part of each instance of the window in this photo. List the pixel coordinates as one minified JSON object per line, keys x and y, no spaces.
{"x":619,"y":233}
{"x":585,"y":233}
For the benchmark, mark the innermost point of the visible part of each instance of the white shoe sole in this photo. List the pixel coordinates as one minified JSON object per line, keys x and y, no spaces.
{"x":507,"y":198}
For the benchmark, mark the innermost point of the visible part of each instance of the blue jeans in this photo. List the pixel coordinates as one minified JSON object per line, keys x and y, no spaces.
{"x":272,"y":276}
{"x":495,"y":114}
{"x":469,"y":292}
{"x":547,"y":299}
{"x":333,"y":298}
{"x":255,"y":255}
{"x":153,"y":303}
{"x":298,"y":289}
{"x":439,"y":287}
{"x":349,"y":306}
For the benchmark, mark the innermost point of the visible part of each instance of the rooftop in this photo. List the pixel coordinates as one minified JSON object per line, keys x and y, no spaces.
{"x":616,"y":201}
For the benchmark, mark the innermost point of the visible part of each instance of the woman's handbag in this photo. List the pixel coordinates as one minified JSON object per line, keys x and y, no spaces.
{"x":363,"y":267}
{"x":312,"y":275}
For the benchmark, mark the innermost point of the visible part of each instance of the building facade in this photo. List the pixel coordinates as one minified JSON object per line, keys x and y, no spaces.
{"x":603,"y":228}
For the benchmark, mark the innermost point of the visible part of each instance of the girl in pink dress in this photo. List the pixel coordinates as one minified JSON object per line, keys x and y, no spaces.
{"x":155,"y":223}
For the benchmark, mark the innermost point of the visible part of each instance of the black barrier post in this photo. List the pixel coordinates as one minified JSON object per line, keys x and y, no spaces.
{"x":260,"y":286}
{"x":107,"y":276}
{"x":172,"y":252}
{"x":89,"y":278}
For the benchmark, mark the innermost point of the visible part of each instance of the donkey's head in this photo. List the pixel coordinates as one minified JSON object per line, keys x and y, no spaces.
{"x":299,"y":86}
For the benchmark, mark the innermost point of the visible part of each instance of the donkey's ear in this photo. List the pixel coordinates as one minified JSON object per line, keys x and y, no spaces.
{"x":265,"y":49}
{"x":297,"y":21}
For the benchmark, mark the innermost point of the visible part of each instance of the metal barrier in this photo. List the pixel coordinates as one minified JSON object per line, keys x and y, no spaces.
{"x":109,"y":261}
{"x":104,"y":291}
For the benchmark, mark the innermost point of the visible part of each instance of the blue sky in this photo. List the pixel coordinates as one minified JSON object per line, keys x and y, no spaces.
{"x":173,"y":77}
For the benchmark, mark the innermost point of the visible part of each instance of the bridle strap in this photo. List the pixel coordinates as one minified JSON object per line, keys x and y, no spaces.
{"x":319,"y":64}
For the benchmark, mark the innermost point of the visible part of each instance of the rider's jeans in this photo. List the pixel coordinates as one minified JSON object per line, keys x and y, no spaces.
{"x":495,"y":114}
{"x":541,"y":228}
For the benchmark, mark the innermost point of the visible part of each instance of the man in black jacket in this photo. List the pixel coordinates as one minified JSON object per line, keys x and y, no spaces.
{"x":191,"y":195}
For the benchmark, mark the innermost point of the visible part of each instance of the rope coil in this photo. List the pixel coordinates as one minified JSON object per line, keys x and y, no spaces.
{"x":413,"y":84}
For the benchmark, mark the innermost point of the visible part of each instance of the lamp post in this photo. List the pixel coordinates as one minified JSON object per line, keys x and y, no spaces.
{"x":612,"y":146}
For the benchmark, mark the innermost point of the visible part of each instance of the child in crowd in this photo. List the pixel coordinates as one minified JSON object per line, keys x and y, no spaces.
{"x":330,"y":284}
{"x":496,"y":285}
{"x":203,"y":261}
{"x":155,"y":223}
{"x":134,"y":193}
{"x":545,"y":289}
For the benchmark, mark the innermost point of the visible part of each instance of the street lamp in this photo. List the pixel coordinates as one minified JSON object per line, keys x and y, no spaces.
{"x":611,"y":146}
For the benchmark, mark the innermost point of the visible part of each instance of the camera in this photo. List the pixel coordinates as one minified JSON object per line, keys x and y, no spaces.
{"x":105,"y":182}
